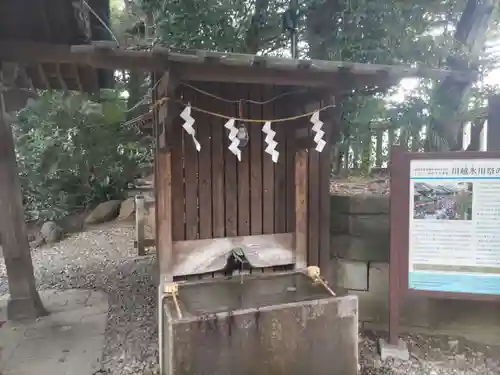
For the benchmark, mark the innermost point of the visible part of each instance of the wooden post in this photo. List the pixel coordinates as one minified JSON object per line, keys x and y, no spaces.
{"x":139,"y":224}
{"x":391,"y":139}
{"x":164,"y":233}
{"x":24,"y":301}
{"x":327,"y":265}
{"x":396,"y":216}
{"x":163,"y":177}
{"x":301,"y":209}
{"x":378,"y":148}
{"x":493,"y":135}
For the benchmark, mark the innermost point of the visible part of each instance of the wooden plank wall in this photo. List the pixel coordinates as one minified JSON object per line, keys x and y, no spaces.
{"x":214,"y":195}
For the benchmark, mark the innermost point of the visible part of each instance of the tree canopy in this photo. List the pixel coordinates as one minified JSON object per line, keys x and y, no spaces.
{"x":77,"y":149}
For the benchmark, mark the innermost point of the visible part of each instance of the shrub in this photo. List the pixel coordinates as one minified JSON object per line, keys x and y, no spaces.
{"x":73,"y":152}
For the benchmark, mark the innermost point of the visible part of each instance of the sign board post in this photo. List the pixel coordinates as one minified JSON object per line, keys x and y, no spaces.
{"x":445,"y":221}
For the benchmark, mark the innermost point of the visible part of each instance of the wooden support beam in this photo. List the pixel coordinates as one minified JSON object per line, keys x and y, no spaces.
{"x":88,"y":79}
{"x":24,"y":301}
{"x":167,"y":89}
{"x":15,"y":99}
{"x":301,"y":209}
{"x":46,"y":33}
{"x":215,"y":68}
{"x":163,"y":182}
{"x":330,"y":118}
{"x":32,"y":72}
{"x":228,"y":74}
{"x":25,"y":78}
{"x":68,"y":77}
{"x":493,"y":134}
{"x":60,"y":77}
{"x":164,"y":212}
{"x":139,"y":224}
{"x":43,"y":76}
{"x":78,"y":79}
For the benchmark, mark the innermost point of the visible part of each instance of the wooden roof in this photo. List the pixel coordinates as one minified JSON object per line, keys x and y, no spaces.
{"x":61,"y":44}
{"x":221,"y":67}
{"x":64,"y":22}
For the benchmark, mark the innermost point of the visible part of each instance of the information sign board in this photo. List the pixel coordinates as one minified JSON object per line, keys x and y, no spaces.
{"x":454,"y":225}
{"x":445,"y":227}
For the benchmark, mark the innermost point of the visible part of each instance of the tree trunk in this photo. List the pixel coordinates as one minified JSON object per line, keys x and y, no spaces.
{"x":391,"y":139}
{"x":403,"y":138}
{"x":451,"y":94}
{"x":347,"y":149}
{"x":356,"y":158}
{"x":24,"y":301}
{"x":253,"y":37}
{"x":314,"y":22}
{"x":415,"y":140}
{"x":493,"y":135}
{"x":366,"y":153}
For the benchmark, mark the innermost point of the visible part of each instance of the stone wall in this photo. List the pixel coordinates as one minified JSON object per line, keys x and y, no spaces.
{"x":360,"y":238}
{"x":360,"y":249}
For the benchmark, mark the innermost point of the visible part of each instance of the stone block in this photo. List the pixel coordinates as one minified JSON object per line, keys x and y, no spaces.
{"x":360,"y":204}
{"x":339,"y":223}
{"x":372,"y":308}
{"x":454,"y":313}
{"x":399,"y":351}
{"x":416,"y":311}
{"x":378,"y":278}
{"x":360,"y":225}
{"x":373,"y":248}
{"x":352,"y":275}
{"x":105,"y":211}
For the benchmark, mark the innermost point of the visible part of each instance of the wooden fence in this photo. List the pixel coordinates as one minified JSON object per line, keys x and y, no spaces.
{"x":371,"y":150}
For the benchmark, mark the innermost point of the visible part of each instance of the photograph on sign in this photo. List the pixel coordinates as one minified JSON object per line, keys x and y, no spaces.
{"x":454,"y":236}
{"x":443,"y":201}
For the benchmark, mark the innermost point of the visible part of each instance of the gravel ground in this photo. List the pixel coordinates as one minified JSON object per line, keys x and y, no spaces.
{"x":104,"y":259}
{"x":436,"y":355}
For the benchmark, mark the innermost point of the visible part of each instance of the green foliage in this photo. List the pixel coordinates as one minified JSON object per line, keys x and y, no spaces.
{"x":73,"y":152}
{"x":219,"y":25}
{"x":385,"y":32}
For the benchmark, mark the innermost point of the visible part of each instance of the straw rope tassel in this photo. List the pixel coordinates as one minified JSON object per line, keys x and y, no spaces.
{"x":172,"y":290}
{"x":315,"y":274}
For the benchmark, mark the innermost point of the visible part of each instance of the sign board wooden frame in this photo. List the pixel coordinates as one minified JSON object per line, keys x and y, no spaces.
{"x":400,"y":171}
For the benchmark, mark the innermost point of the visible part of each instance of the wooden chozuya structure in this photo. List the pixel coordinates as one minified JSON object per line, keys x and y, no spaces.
{"x":207,"y":201}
